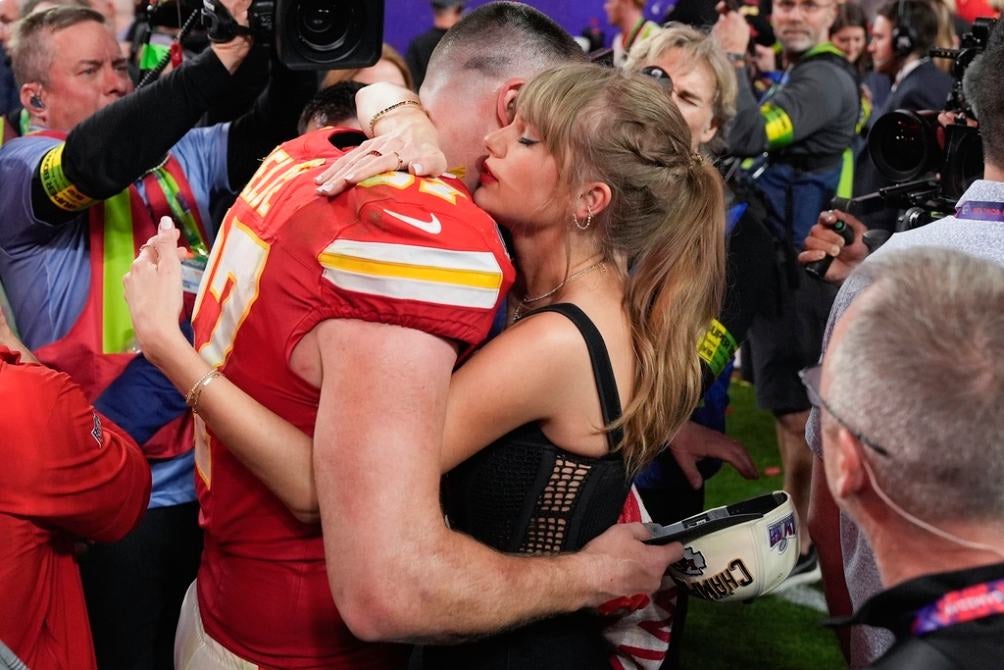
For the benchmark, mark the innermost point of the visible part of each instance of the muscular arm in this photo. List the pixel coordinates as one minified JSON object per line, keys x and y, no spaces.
{"x":395,"y":570}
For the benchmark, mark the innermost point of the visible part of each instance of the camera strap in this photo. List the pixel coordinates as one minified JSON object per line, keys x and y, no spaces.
{"x":220,"y":23}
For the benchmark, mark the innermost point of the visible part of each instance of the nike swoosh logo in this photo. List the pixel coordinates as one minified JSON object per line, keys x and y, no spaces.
{"x":432,"y":226}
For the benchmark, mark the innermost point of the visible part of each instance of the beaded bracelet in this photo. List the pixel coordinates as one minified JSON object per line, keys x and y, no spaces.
{"x":192,"y":399}
{"x":388,"y":110}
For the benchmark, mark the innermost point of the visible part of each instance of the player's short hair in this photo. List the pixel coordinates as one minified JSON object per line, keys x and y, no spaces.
{"x":920,"y":371}
{"x":331,"y":106}
{"x":519,"y":38}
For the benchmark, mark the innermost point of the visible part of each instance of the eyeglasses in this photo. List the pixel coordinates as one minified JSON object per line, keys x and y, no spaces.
{"x":661,"y":76}
{"x":811,"y":378}
{"x":810,"y":7}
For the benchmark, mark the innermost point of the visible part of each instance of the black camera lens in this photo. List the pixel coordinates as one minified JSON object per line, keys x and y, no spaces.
{"x":904,"y":145}
{"x":322,"y":26}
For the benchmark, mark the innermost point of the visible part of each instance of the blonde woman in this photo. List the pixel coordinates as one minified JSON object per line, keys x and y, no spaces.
{"x":597,"y":370}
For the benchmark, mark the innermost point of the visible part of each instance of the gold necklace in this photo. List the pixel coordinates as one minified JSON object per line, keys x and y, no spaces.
{"x":517,"y":312}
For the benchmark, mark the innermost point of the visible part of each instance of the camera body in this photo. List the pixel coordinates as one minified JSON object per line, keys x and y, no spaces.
{"x":311,"y":34}
{"x":932,"y":164}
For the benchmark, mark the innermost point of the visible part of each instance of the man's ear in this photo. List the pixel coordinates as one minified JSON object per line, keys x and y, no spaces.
{"x":849,"y":477}
{"x":31,"y":98}
{"x":505,"y":101}
{"x":708,"y":133}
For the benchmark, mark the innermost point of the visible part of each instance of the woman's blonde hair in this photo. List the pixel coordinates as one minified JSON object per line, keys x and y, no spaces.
{"x":666,"y":216}
{"x":699,"y":48}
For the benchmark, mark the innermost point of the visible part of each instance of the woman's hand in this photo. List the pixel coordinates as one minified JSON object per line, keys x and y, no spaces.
{"x":411,"y":144}
{"x":153,"y":292}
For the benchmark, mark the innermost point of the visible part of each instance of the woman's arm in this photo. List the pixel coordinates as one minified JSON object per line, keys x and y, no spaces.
{"x":277,"y":452}
{"x":403,"y":138}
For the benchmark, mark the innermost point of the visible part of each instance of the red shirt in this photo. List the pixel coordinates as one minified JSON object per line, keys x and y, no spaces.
{"x":396,"y":249}
{"x":67,"y":474}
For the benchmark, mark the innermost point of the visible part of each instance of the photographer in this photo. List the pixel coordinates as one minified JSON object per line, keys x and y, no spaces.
{"x":903,"y":34}
{"x":977,"y":228}
{"x":77,"y":197}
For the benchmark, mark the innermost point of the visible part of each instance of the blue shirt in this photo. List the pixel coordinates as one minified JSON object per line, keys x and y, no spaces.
{"x":46,"y":272}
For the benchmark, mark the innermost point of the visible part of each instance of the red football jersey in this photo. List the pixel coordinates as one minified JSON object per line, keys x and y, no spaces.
{"x":67,"y":475}
{"x":396,"y":249}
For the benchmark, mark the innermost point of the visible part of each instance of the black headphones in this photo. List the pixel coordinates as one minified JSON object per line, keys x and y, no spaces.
{"x":36,"y":101}
{"x":904,"y":37}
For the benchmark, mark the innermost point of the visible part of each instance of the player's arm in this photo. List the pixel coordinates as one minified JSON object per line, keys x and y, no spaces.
{"x":396,"y":572}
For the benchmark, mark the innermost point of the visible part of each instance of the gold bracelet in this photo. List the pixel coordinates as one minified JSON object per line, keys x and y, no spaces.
{"x":192,"y":399}
{"x":388,"y":110}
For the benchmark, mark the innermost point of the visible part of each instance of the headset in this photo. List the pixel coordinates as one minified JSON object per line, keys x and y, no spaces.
{"x":904,"y":36}
{"x":36,"y":102}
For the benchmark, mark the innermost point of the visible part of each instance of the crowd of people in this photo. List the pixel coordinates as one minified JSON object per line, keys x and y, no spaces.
{"x":386,"y":367}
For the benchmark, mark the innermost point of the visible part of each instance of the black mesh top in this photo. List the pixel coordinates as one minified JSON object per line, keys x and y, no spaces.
{"x":523,"y":494}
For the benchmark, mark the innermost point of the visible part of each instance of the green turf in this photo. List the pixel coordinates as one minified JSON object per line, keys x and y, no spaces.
{"x":769,"y":633}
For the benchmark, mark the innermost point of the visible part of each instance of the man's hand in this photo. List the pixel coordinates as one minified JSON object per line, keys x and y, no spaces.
{"x":823,"y":241}
{"x":694,"y":442}
{"x":233,"y":53}
{"x":628,"y":566}
{"x":732,"y":32}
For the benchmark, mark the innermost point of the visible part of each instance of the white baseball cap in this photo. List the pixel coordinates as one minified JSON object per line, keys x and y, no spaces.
{"x":735,"y":552}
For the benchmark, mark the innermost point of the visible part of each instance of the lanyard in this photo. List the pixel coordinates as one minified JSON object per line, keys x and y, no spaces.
{"x":977,"y":210}
{"x":180,"y":210}
{"x":961,"y":606}
{"x":633,"y":35}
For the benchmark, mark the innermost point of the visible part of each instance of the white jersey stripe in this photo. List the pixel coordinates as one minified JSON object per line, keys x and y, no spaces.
{"x":413,"y":289}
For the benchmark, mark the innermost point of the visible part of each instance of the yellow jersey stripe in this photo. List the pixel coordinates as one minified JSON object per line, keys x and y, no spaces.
{"x":427,"y":273}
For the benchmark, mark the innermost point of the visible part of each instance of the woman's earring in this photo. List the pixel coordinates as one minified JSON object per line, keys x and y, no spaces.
{"x":589,"y":220}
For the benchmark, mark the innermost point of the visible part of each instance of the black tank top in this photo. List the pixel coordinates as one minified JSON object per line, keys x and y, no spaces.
{"x":524,"y":494}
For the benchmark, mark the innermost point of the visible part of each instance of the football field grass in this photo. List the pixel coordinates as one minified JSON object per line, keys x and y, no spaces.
{"x":769,"y":633}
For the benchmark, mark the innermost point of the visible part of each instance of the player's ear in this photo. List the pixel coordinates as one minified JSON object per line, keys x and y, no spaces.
{"x":505,"y":101}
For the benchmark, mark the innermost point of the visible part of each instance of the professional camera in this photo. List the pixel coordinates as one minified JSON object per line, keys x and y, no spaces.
{"x":311,"y":34}
{"x":932,"y":164}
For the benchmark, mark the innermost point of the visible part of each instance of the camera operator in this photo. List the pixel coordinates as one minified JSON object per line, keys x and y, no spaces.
{"x":78,"y":195}
{"x":921,"y":477}
{"x":902,"y":35}
{"x":849,"y":572}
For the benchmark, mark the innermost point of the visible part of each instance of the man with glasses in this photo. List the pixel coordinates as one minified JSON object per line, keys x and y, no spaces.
{"x":911,"y":451}
{"x":849,"y":572}
{"x":803,"y":126}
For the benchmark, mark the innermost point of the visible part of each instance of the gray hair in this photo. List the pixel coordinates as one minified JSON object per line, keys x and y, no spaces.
{"x":30,"y":54}
{"x":920,"y":371}
{"x":521,"y":42}
{"x":699,"y":47}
